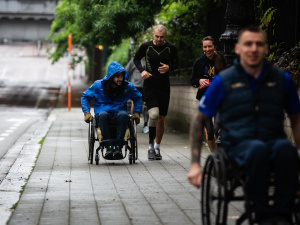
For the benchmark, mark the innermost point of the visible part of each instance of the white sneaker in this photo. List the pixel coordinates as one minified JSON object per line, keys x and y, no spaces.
{"x":145,"y":130}
{"x":157,"y":154}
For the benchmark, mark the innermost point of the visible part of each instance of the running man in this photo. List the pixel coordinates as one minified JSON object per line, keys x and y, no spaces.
{"x":160,"y":56}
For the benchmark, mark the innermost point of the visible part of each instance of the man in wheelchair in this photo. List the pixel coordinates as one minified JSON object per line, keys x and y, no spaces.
{"x":110,"y":96}
{"x":252,"y":97}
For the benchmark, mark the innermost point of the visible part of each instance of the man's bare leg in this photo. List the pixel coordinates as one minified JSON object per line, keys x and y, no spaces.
{"x":160,"y":129}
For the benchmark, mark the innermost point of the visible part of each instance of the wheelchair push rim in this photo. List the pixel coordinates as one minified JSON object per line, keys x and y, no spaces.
{"x":214,"y":200}
{"x":91,"y":140}
{"x":133,"y":149}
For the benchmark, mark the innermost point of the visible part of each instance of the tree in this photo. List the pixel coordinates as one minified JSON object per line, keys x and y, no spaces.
{"x":103,"y":22}
{"x":63,"y":24}
{"x":108,"y":22}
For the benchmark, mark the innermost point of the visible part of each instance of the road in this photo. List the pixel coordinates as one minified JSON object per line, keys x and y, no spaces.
{"x":29,"y":80}
{"x":30,"y":87}
{"x":27,"y":77}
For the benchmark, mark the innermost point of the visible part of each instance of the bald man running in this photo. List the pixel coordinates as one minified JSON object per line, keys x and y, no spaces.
{"x":161,"y":57}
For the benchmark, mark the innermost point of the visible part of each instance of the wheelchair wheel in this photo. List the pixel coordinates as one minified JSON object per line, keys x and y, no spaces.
{"x":97,"y":159}
{"x":297,"y":209}
{"x":91,"y":140}
{"x":133,"y":142}
{"x":214,"y":199}
{"x":135,"y":138}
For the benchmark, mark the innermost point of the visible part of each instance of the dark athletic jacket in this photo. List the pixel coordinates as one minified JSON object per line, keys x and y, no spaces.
{"x":204,"y":68}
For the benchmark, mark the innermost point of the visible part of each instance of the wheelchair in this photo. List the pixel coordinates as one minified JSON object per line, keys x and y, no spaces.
{"x":223,"y":182}
{"x":129,"y":142}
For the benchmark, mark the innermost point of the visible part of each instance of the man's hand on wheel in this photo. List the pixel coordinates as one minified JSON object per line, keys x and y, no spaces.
{"x":136,"y":117}
{"x":88,"y":117}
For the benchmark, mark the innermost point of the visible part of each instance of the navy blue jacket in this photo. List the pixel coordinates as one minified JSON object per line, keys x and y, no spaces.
{"x":245,"y":114}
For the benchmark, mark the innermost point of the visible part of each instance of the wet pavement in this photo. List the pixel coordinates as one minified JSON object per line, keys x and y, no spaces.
{"x":17,"y":164}
{"x":64,"y":188}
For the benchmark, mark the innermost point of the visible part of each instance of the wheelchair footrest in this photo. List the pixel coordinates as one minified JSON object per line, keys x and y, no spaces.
{"x":114,"y":156}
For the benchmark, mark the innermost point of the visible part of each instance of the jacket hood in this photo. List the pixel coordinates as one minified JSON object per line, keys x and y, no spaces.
{"x":113,"y":68}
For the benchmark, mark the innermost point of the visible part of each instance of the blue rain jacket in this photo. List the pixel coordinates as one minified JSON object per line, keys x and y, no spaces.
{"x":103,"y":102}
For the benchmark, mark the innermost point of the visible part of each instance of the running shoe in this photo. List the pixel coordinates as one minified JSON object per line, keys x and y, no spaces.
{"x":109,"y":152}
{"x":157,"y":154}
{"x":145,"y":130}
{"x":118,"y":153}
{"x":151,"y":152}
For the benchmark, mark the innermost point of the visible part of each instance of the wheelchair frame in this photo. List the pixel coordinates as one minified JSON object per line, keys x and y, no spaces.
{"x":130,"y":144}
{"x":220,"y":182}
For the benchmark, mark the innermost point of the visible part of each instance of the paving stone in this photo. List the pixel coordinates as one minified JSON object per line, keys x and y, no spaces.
{"x":64,"y":188}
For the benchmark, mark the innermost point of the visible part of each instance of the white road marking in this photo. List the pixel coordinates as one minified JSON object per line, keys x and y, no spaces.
{"x":3,"y":72}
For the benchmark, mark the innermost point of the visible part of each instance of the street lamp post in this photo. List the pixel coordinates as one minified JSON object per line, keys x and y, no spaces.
{"x":239,"y":14}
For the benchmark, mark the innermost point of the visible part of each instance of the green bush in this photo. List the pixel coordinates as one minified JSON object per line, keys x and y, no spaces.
{"x":119,"y":54}
{"x":290,"y":62}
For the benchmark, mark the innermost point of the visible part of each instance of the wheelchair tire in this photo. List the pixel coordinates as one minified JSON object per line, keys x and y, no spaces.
{"x":132,"y":140}
{"x":297,"y":209}
{"x":214,"y":199}
{"x":97,"y":159}
{"x":136,"y":144}
{"x":91,"y":140}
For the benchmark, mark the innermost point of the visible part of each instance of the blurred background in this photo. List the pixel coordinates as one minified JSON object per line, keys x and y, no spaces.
{"x":38,"y":62}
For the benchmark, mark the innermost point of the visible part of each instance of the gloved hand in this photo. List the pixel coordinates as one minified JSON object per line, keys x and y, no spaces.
{"x":88,"y":117}
{"x":136,"y":117}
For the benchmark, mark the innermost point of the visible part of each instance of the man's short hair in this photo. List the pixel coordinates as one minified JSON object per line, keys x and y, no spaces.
{"x":160,"y":28}
{"x":209,"y":38}
{"x":254,"y":29}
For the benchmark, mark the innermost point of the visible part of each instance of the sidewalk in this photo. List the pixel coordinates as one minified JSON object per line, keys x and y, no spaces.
{"x":65,"y":189}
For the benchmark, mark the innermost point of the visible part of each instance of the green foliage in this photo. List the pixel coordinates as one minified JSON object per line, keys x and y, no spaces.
{"x":94,"y":22}
{"x":186,"y":23}
{"x":122,"y":19}
{"x":108,"y":22}
{"x":290,"y":62}
{"x":265,"y":15}
{"x":119,"y":54}
{"x":42,"y":140}
{"x":104,"y":22}
{"x":64,"y":23}
{"x":268,"y":16}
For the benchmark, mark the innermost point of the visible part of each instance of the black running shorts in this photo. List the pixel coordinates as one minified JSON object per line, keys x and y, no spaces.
{"x":156,"y":98}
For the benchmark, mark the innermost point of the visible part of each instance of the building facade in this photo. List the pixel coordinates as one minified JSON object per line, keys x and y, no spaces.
{"x":25,"y":20}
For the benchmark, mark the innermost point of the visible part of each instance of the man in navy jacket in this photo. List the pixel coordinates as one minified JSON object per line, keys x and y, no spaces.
{"x":252,"y":97}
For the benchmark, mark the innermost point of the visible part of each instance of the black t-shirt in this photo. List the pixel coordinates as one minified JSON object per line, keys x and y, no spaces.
{"x":154,"y":55}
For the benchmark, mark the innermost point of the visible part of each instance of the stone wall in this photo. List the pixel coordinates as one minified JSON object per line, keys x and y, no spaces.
{"x":183,"y":105}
